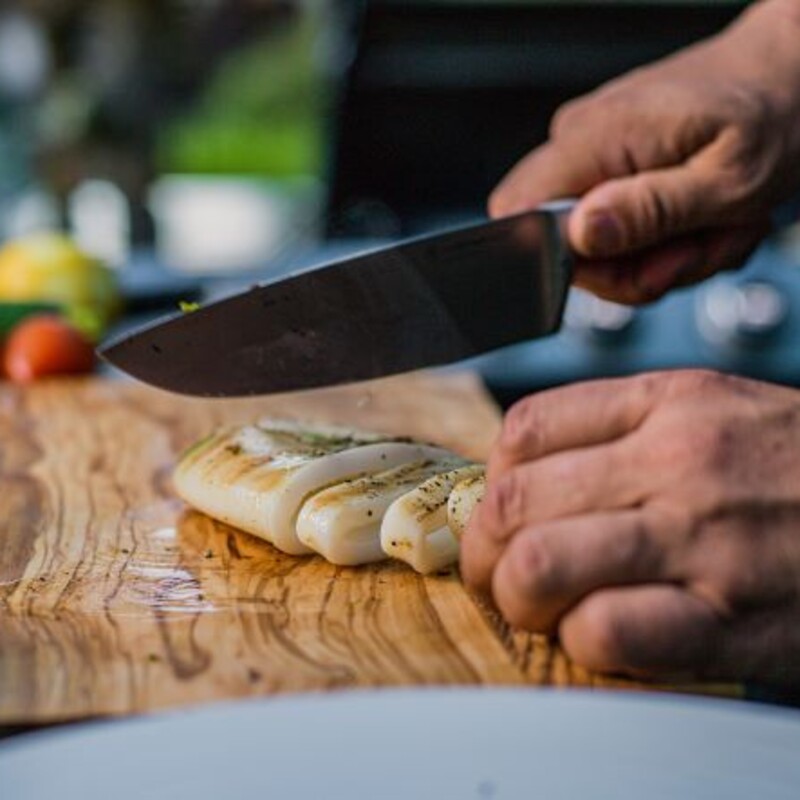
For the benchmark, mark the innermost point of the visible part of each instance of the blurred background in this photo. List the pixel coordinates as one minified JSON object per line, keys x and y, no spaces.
{"x":198,"y":145}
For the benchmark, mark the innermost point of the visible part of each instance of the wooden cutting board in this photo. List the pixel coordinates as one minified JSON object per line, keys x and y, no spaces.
{"x":114,"y":598}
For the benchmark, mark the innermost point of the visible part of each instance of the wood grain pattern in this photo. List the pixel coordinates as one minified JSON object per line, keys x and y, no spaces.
{"x":114,"y":598}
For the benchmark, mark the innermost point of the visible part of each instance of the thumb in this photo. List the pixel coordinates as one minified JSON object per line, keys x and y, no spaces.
{"x":631,"y":213}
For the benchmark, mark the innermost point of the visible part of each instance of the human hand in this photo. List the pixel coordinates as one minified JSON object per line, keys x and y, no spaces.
{"x":652,"y":522}
{"x":679,"y":164}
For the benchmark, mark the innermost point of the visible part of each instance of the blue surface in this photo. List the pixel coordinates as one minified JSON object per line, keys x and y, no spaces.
{"x":664,"y":335}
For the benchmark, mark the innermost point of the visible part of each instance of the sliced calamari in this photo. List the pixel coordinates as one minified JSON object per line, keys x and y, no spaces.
{"x":415,"y":526}
{"x":256,"y":477}
{"x":462,"y":501}
{"x":343,"y":522}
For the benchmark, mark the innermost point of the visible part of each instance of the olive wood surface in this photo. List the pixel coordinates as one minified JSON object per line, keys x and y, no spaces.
{"x":115,"y":598}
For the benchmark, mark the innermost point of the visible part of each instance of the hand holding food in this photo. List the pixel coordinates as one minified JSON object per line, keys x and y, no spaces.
{"x":652,"y":522}
{"x":679,"y":163}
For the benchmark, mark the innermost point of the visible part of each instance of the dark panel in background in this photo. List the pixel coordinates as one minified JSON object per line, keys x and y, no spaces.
{"x":442,"y":98}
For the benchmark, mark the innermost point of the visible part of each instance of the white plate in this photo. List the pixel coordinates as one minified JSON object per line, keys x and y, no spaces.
{"x":420,"y":744}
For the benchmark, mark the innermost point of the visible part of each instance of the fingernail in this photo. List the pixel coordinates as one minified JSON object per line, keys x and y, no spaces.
{"x":604,"y":235}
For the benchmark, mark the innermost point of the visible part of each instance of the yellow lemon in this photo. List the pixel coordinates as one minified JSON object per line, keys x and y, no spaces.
{"x":51,"y":267}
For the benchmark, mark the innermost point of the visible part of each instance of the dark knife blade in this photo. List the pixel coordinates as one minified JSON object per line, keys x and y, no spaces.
{"x":425,"y":302}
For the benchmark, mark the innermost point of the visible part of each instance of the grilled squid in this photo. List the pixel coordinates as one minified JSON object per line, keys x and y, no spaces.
{"x":342,"y":523}
{"x":415,"y":527}
{"x":462,"y":501}
{"x":257,"y":477}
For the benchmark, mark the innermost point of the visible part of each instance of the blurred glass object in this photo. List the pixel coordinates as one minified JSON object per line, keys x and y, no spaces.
{"x":597,"y":320}
{"x":745,"y":312}
{"x":29,"y":210}
{"x":24,"y":55}
{"x":25,"y":63}
{"x":99,"y":220}
{"x":213,"y":224}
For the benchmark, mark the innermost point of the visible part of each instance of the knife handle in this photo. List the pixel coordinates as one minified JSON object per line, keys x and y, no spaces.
{"x":559,"y":211}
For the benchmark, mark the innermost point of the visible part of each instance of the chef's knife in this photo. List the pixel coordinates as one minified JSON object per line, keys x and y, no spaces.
{"x":423,"y":302}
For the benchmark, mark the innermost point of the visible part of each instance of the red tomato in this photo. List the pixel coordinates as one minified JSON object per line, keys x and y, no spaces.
{"x":44,"y":344}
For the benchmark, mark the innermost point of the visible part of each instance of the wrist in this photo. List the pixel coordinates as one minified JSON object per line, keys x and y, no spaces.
{"x":767,"y":35}
{"x":763,"y":50}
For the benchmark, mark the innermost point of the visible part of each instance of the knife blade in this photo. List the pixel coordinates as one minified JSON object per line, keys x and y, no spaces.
{"x":424,"y":302}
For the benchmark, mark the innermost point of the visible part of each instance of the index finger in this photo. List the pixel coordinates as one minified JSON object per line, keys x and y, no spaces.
{"x":553,"y":170}
{"x":571,"y":417}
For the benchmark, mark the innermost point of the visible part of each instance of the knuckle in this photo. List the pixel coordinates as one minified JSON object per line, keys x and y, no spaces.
{"x":752,"y":116}
{"x":504,"y":506}
{"x":578,"y":482}
{"x":673,"y":527}
{"x":524,"y":427}
{"x":716,"y":445}
{"x":567,"y":118}
{"x":701,"y":449}
{"x":739,"y":183}
{"x":745,"y":165}
{"x":532,"y":565}
{"x":709,"y":445}
{"x":686,"y":437}
{"x":733,"y":581}
{"x":700,"y":381}
{"x":649,"y":386}
{"x":654,"y":214}
{"x":634,"y":550}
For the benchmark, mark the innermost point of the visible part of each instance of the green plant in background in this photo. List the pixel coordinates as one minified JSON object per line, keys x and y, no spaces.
{"x":261,"y":113}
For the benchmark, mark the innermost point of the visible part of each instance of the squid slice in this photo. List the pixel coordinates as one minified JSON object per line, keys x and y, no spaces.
{"x":342,"y":523}
{"x":415,"y":526}
{"x":256,"y":477}
{"x":462,"y":501}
